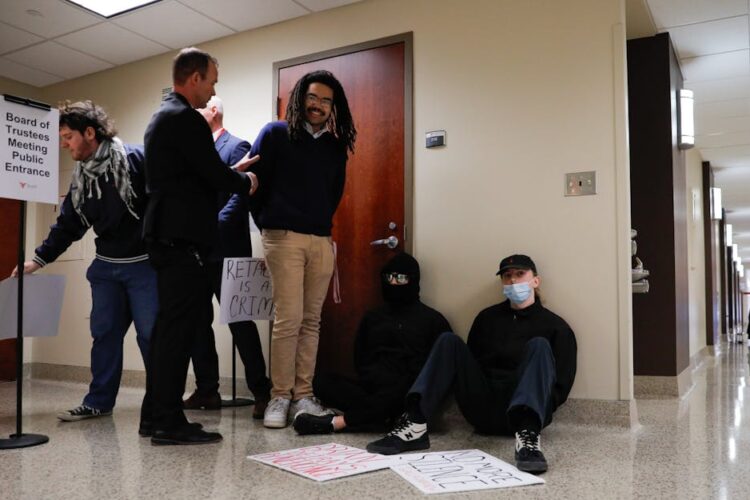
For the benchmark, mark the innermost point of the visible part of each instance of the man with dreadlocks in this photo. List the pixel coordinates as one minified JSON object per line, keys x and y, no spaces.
{"x":301,"y":173}
{"x":107,"y":192}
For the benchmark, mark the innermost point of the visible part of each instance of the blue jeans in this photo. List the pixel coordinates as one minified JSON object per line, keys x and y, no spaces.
{"x":121,"y":294}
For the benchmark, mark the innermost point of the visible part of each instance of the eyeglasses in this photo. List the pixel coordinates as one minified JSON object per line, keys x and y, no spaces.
{"x":398,"y":278}
{"x":323,"y":102}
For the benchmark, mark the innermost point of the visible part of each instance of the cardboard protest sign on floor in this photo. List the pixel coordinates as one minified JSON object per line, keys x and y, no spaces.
{"x":327,"y":461}
{"x":463,"y":470}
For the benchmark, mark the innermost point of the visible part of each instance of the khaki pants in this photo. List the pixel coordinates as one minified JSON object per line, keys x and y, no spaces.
{"x":301,"y":266}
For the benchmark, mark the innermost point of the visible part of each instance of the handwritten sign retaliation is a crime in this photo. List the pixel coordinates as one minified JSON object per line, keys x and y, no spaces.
{"x":245,"y":290}
{"x":327,"y":461}
{"x":463,"y":470}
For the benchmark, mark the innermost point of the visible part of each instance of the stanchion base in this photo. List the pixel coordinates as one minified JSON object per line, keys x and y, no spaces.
{"x":231,"y":403}
{"x":22,"y":441}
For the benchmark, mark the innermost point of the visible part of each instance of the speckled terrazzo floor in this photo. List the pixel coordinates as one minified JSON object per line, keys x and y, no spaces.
{"x":697,"y":447}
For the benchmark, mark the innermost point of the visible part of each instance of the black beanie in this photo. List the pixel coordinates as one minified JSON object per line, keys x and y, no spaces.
{"x":402,"y":263}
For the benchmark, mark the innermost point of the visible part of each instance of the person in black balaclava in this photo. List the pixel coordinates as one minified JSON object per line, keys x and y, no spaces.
{"x":392,"y":343}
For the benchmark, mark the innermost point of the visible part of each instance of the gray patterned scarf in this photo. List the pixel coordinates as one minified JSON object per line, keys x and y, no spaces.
{"x":110,"y":158}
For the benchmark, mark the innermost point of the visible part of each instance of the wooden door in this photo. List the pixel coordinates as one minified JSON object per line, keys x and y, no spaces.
{"x":9,"y":212}
{"x":373,"y":80}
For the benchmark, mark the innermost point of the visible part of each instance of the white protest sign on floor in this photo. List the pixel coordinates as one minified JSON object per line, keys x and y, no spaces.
{"x":29,"y":158}
{"x":327,"y":461}
{"x":42,"y":303}
{"x":462,"y":470}
{"x":245,"y":290}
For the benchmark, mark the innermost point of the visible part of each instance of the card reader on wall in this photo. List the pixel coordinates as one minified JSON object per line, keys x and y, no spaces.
{"x":435,"y":138}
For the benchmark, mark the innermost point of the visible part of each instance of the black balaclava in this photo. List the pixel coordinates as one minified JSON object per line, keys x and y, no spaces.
{"x":402,"y":263}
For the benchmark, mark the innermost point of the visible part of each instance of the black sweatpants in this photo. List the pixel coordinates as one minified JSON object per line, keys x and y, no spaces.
{"x":485,"y":402}
{"x":362,"y":408}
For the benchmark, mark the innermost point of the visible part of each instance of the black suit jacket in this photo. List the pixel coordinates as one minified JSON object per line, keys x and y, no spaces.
{"x":234,"y":226}
{"x":184,"y":174}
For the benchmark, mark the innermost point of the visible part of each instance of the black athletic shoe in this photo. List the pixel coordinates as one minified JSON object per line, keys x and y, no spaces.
{"x":146,"y":427}
{"x":307,"y":423}
{"x":529,"y":456}
{"x":405,"y":436}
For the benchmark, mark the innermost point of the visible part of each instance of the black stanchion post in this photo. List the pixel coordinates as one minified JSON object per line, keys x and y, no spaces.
{"x":235,"y":401}
{"x":19,"y":439}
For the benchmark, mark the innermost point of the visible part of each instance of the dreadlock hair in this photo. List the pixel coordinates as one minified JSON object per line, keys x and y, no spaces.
{"x":188,"y":61}
{"x":340,"y":123}
{"x":83,"y":114}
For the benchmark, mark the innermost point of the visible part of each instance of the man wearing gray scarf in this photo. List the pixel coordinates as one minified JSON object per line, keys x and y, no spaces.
{"x":107,"y":192}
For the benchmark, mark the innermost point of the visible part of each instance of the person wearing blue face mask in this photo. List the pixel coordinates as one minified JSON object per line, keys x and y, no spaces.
{"x":516,"y":369}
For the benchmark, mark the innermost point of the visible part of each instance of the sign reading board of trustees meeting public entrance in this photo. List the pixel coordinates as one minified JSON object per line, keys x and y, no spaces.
{"x":29,"y":156}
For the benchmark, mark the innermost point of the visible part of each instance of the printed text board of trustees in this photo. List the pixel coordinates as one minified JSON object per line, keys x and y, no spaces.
{"x":29,"y":156}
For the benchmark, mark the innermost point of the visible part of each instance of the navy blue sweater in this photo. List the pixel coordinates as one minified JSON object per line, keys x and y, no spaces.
{"x":118,"y":232}
{"x":301,"y":181}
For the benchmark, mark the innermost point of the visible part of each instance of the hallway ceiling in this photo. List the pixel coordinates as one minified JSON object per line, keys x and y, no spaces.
{"x":48,"y":41}
{"x":712,"y":41}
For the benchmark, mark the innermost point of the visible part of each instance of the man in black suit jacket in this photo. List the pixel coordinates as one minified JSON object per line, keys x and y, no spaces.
{"x":184,"y":174}
{"x":233,"y":241}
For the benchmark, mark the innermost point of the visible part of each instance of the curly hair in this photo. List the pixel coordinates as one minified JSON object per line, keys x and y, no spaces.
{"x":340,"y":123}
{"x":83,"y":114}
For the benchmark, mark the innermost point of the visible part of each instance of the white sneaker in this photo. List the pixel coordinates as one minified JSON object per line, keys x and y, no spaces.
{"x":309,"y":405}
{"x":276,"y":413}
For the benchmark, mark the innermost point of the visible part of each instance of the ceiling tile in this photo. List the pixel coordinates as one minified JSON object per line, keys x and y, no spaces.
{"x":667,"y":13}
{"x":172,"y":24}
{"x":723,"y":139}
{"x":713,"y":37}
{"x":57,"y":17}
{"x":731,"y":156}
{"x":20,"y":73}
{"x":721,"y":109}
{"x":242,"y":15}
{"x":112,"y":43}
{"x":13,"y":38}
{"x":717,"y":66}
{"x":722,"y":125}
{"x":318,"y":5}
{"x":720,"y":90}
{"x":58,"y":60}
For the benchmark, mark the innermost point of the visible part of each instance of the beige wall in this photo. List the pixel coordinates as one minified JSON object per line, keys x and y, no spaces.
{"x":526,"y":91}
{"x":696,"y":251}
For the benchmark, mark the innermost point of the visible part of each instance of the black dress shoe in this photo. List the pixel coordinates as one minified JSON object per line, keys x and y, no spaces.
{"x":199,"y":401}
{"x":146,"y":429}
{"x":187,"y":434}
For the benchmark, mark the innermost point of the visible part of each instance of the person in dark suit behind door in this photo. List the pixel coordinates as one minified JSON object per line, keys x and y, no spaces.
{"x":184,"y":175}
{"x":233,"y":241}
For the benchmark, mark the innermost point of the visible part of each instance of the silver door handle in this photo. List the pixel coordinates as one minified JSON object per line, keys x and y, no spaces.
{"x":391,"y":242}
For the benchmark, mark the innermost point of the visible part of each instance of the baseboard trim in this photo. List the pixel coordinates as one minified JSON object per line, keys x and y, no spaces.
{"x":130,"y":378}
{"x":618,"y":413}
{"x":654,"y":387}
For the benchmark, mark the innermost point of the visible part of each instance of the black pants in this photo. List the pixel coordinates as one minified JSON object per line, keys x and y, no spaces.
{"x":363,"y":408}
{"x":484,"y":402}
{"x":245,"y":334}
{"x":185,"y":311}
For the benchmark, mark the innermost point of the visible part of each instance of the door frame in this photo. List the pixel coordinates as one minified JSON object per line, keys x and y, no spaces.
{"x":407,"y":40}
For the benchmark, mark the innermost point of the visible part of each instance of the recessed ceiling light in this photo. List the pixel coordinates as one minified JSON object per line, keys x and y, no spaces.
{"x":111,"y":8}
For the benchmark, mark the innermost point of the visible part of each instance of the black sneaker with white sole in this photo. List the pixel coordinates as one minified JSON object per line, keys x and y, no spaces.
{"x":529,"y":456}
{"x":405,"y":436}
{"x":307,"y":423}
{"x":81,"y":413}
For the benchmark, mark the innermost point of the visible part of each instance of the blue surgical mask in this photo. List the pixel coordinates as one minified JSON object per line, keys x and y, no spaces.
{"x":518,"y":293}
